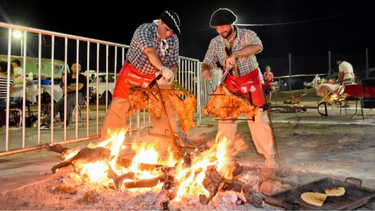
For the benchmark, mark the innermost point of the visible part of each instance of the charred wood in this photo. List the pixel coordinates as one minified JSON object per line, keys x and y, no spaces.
{"x":119,"y":179}
{"x":153,"y":167}
{"x":123,"y":162}
{"x":86,"y":155}
{"x":186,"y":142}
{"x":234,"y":185}
{"x":187,"y":159}
{"x":237,"y":169}
{"x":145,"y":183}
{"x":211,"y":183}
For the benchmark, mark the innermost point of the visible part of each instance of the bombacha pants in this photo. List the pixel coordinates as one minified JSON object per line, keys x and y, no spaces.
{"x":260,"y":130}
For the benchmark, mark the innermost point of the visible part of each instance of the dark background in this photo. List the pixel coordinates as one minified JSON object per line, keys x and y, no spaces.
{"x":305,"y":30}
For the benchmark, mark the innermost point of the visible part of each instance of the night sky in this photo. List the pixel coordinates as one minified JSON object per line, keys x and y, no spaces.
{"x":305,"y":29}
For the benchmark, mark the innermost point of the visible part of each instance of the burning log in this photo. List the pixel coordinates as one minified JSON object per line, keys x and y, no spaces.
{"x":186,"y":142}
{"x":152,"y":167}
{"x":145,"y":183}
{"x":56,"y":148}
{"x":167,"y":193}
{"x":237,"y":169}
{"x":86,"y":155}
{"x":118,"y":180}
{"x":211,"y":183}
{"x":253,"y":197}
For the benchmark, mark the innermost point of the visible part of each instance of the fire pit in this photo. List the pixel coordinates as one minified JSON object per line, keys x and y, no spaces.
{"x":206,"y":176}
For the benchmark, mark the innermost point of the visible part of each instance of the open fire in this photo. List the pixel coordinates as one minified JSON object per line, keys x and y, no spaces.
{"x":205,"y":173}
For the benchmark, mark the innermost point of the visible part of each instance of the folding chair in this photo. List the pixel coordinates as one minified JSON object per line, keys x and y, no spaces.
{"x":78,"y":108}
{"x":368,"y":95}
{"x":85,"y":104}
{"x":352,"y":92}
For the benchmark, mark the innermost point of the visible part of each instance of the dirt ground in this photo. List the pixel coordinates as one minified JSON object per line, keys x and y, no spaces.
{"x":309,"y":147}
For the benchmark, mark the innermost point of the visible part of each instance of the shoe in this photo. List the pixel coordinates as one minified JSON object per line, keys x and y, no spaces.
{"x":67,"y":125}
{"x":271,"y":162}
{"x":44,"y":127}
{"x":345,"y":105}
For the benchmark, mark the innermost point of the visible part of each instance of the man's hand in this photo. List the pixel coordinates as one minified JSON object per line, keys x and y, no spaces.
{"x":206,"y":71}
{"x":163,"y":81}
{"x":230,"y":62}
{"x":167,"y":73}
{"x":207,"y":74}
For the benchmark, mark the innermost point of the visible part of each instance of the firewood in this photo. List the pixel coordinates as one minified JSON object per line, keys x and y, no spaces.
{"x":86,"y":155}
{"x":211,"y":183}
{"x":152,"y":167}
{"x":237,"y":169}
{"x":234,"y":185}
{"x":145,"y":183}
{"x":186,"y":142}
{"x":118,"y":180}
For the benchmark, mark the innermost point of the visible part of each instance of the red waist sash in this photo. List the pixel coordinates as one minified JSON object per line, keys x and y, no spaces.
{"x":249,"y":85}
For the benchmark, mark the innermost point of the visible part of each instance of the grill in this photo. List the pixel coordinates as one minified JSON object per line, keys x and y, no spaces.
{"x":355,"y":195}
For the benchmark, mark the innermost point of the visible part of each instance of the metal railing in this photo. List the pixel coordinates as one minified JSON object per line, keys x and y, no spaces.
{"x":46,"y":53}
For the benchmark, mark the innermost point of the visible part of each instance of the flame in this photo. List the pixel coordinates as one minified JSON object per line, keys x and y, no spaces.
{"x":189,"y":178}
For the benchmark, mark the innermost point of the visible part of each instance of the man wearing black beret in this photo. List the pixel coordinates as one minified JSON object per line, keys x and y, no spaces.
{"x":154,"y":50}
{"x":234,"y":49}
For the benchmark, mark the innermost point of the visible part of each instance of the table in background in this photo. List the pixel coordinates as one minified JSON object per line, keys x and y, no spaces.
{"x":326,"y":90}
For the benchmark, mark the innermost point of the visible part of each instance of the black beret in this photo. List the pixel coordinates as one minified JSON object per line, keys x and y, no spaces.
{"x":172,"y":20}
{"x":222,"y":16}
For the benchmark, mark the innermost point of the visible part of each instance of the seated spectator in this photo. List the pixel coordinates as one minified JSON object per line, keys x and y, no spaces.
{"x":4,"y":89}
{"x":18,"y":71}
{"x":70,"y":91}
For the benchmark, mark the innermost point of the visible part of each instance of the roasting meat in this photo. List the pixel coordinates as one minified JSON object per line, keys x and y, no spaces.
{"x":185,"y":110}
{"x":224,"y":104}
{"x":140,"y":99}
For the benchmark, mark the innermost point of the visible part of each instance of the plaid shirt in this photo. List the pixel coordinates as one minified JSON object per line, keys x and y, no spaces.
{"x":146,"y":36}
{"x":216,"y":51}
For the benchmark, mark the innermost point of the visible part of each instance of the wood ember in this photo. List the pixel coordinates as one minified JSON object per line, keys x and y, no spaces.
{"x":153,"y":167}
{"x":145,"y":183}
{"x":65,"y":189}
{"x":185,"y":110}
{"x":119,"y":179}
{"x":186,"y":142}
{"x":86,"y":155}
{"x":224,"y":104}
{"x":57,"y":148}
{"x":187,"y":159}
{"x":211,"y":183}
{"x":167,"y":193}
{"x":238,"y":169}
{"x":89,"y":196}
{"x":253,"y":197}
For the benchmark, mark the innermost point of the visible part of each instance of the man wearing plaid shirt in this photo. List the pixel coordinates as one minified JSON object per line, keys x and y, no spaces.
{"x":154,"y":50}
{"x":235,"y":49}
